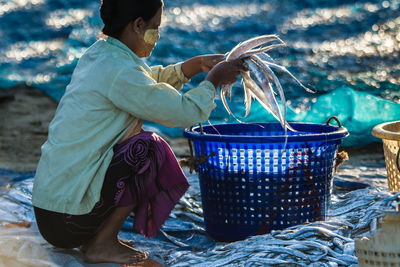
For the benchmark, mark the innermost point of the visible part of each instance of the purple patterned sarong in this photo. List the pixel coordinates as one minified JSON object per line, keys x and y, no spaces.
{"x":144,"y":172}
{"x":157,"y":182}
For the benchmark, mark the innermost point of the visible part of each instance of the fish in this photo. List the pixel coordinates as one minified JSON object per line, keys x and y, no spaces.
{"x":349,"y":248}
{"x":346,"y":209}
{"x":337,"y":261}
{"x":293,"y":252}
{"x":316,"y":230}
{"x":259,"y":64}
{"x":266,"y":95}
{"x":225,"y":260}
{"x":248,"y":45}
{"x":266,"y":262}
{"x":173,"y":240}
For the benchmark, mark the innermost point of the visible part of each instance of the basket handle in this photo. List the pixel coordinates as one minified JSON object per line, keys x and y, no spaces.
{"x":334,"y":118}
{"x":398,"y":159}
{"x":192,"y":161}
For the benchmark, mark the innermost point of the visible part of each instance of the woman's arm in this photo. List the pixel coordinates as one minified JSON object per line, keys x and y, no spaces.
{"x":218,"y":71}
{"x":138,"y":94}
{"x":204,"y":63}
{"x":178,"y":74}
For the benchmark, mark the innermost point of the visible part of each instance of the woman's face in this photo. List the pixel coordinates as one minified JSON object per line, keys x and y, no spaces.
{"x":150,"y":34}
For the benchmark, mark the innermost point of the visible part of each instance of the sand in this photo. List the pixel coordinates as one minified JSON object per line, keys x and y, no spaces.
{"x":25,"y":116}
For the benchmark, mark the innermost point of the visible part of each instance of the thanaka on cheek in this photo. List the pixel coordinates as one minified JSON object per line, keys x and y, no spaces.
{"x":151,"y":36}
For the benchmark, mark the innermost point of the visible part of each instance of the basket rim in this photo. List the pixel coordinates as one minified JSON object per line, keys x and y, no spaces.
{"x":382,"y":131}
{"x":333,"y":133}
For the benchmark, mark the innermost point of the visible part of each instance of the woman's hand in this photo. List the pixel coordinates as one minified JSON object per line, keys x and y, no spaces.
{"x":225,"y":72}
{"x":207,"y":62}
{"x":204,"y":63}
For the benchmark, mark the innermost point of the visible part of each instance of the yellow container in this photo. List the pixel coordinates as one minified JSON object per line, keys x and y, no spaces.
{"x":383,"y":247}
{"x":389,"y":132}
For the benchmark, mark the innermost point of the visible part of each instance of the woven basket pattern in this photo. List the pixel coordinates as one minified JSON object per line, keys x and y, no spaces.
{"x":370,"y":258}
{"x":250,"y":189}
{"x":391,"y":148}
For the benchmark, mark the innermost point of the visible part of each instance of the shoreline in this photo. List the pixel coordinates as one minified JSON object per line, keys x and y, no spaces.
{"x":27,"y":112}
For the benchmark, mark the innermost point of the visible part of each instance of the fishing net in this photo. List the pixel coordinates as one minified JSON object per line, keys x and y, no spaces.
{"x":359,"y":199}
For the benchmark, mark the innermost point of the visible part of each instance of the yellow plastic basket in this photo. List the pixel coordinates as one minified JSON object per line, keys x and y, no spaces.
{"x":389,"y":132}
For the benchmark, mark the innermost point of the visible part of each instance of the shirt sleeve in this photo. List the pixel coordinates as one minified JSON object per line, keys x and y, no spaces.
{"x":140,"y":95}
{"x":172,"y":74}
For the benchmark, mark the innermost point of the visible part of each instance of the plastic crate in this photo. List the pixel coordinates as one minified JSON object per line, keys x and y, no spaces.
{"x":389,"y":132}
{"x":255,"y":183}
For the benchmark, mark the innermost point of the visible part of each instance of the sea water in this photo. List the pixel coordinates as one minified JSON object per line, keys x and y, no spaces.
{"x":347,"y":51}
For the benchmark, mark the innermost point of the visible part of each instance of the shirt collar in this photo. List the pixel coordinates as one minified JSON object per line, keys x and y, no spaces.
{"x":122,"y":46}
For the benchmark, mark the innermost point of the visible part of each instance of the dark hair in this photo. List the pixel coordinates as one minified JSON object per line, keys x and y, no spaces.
{"x":116,"y":14}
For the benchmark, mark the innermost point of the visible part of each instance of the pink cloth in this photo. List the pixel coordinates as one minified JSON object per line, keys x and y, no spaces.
{"x":158,"y":180}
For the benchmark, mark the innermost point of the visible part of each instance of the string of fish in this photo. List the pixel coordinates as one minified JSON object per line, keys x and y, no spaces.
{"x":260,"y":66}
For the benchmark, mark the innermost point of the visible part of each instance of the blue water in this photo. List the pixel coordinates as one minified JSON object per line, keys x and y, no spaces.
{"x":348,"y":51}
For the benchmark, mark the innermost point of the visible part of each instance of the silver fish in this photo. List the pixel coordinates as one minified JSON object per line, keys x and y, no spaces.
{"x":249,"y":44}
{"x":226,"y":260}
{"x":269,"y":100}
{"x":319,"y":230}
{"x":269,"y":73}
{"x":266,"y":261}
{"x":347,"y":208}
{"x":270,"y":62}
{"x":349,"y":248}
{"x":338,"y":261}
{"x":260,"y":68}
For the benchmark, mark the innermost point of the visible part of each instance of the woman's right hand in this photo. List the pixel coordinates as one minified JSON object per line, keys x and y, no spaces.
{"x":225,"y":72}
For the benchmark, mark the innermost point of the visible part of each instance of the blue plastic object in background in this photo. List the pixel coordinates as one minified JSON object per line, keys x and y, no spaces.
{"x":8,"y":176}
{"x":255,"y":183}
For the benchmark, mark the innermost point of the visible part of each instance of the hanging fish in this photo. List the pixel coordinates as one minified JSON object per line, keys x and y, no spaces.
{"x":260,"y":66}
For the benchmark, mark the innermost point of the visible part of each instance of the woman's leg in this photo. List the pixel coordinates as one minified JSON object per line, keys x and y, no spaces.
{"x":105,"y":245}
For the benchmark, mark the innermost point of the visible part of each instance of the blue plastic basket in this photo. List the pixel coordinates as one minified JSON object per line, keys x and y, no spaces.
{"x":254,"y":184}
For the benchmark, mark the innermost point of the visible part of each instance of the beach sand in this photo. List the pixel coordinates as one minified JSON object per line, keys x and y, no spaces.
{"x":25,"y":116}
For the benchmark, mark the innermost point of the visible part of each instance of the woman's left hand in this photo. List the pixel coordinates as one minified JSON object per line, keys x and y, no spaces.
{"x":203,"y":63}
{"x":207,"y":62}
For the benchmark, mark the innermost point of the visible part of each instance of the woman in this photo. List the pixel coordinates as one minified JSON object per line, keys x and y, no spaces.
{"x":98,"y":165}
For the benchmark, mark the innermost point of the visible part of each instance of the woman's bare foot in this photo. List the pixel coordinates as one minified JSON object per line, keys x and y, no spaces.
{"x":129,"y":243}
{"x":105,"y":246}
{"x":113,"y":251}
